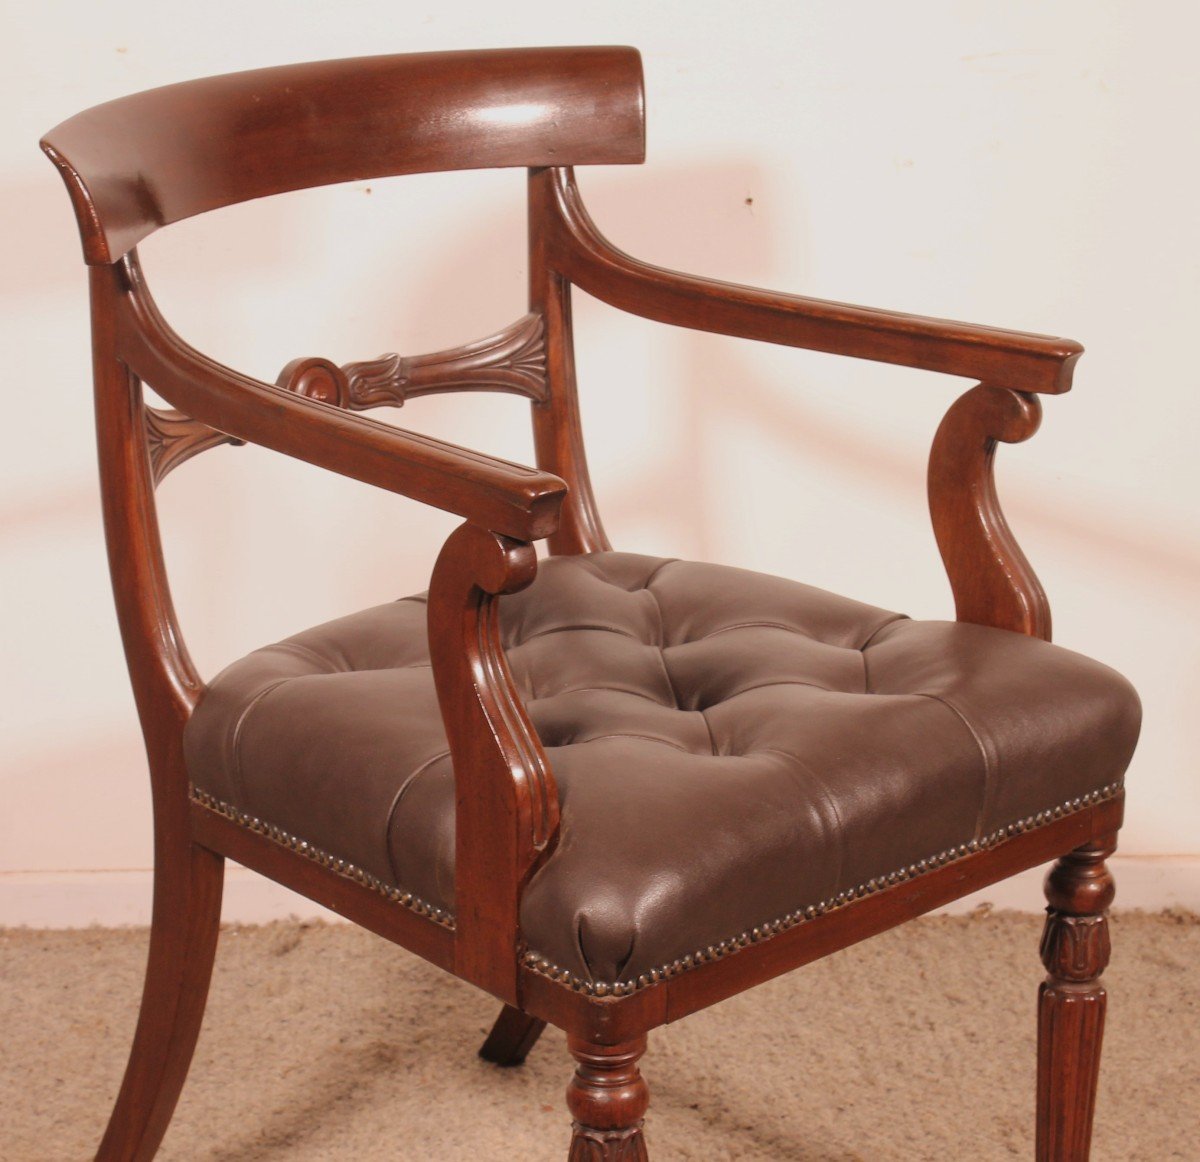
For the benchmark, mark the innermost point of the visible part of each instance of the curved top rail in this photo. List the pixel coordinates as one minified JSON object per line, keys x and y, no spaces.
{"x":147,"y":160}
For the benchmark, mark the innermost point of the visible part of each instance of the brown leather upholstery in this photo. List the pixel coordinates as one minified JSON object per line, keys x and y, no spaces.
{"x":729,"y":748}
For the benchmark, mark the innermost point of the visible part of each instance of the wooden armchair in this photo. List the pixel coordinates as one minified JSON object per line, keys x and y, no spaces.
{"x":652,"y":784}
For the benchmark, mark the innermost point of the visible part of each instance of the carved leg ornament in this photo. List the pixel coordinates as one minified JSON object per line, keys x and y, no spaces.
{"x":607,"y":1098}
{"x":1071,"y":1001}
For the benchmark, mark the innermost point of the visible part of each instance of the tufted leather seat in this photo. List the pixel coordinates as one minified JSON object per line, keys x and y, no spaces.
{"x":730,"y":749}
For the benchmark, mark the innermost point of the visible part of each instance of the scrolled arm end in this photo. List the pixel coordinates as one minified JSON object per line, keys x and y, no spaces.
{"x":507,"y":811}
{"x":992,"y":581}
{"x":496,"y":564}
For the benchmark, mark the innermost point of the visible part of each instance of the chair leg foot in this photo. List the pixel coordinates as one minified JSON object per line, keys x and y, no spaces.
{"x":511,"y":1038}
{"x":183,"y":943}
{"x":607,"y":1098}
{"x":1071,"y":1002}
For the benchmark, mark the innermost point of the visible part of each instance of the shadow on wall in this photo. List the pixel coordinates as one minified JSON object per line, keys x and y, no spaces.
{"x":718,"y":222}
{"x":709,"y":386}
{"x":1118,"y":547}
{"x":46,"y":248}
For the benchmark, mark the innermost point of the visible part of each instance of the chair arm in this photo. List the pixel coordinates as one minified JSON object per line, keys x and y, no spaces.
{"x":1032,"y":363}
{"x":508,"y":498}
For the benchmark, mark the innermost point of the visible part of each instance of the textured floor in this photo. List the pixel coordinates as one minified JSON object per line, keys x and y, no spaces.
{"x":323,"y":1042}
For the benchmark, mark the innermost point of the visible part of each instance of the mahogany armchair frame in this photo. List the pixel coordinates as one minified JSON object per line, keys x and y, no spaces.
{"x":142,"y":162}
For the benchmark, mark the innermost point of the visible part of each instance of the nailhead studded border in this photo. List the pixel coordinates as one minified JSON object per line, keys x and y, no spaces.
{"x":765,"y":931}
{"x":684,"y":963}
{"x":306,"y":849}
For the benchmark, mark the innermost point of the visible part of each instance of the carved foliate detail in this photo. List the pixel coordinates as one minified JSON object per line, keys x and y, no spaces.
{"x":607,"y":1098}
{"x":172,"y":438}
{"x":381,"y":382}
{"x":1079,"y":887}
{"x":1072,"y":1000}
{"x":588,"y":1145}
{"x":1075,"y":948}
{"x":512,"y":360}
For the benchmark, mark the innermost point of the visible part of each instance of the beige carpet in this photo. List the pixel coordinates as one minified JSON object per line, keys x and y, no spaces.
{"x":323,"y":1042}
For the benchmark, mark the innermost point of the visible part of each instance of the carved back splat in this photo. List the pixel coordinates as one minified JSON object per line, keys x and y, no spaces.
{"x":512,"y":360}
{"x":172,"y":438}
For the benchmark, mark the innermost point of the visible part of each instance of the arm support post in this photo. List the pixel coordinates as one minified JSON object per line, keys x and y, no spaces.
{"x":507,"y":804}
{"x":506,"y":812}
{"x":992,"y":581}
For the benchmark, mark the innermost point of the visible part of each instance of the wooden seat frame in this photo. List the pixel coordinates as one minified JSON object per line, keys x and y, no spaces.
{"x":128,"y":169}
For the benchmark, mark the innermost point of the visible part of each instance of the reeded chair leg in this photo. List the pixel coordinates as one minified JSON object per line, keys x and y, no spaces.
{"x":183,"y":943}
{"x":511,"y":1038}
{"x":1071,"y":1001}
{"x":607,"y":1098}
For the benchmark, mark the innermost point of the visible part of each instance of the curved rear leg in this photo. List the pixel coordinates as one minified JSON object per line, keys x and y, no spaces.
{"x":183,"y":942}
{"x":511,"y":1038}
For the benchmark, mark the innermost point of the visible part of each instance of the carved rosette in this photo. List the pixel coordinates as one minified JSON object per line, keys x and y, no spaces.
{"x":172,"y":438}
{"x":316,"y":379}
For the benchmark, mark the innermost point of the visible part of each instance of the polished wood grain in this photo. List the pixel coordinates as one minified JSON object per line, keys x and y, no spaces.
{"x":1072,"y":1000}
{"x":557,"y":426}
{"x":506,"y":803}
{"x":510,"y":498}
{"x":512,"y":360}
{"x":145,"y":161}
{"x":578,"y":251}
{"x":188,"y":877}
{"x":337,"y":889}
{"x":992,"y":581}
{"x":608,"y":1098}
{"x":188,"y":880}
{"x":142,"y":162}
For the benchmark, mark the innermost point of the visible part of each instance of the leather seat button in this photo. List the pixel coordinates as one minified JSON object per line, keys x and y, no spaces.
{"x":718,"y":763}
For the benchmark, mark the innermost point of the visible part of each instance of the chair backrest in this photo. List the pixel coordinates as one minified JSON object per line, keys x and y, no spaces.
{"x":141,"y":162}
{"x":145,"y":161}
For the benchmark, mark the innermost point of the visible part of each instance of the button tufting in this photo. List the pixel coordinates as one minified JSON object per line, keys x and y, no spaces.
{"x":717,"y":757}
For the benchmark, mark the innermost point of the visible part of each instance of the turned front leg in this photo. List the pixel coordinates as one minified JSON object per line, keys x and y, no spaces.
{"x":607,"y":1098}
{"x":1071,"y":1001}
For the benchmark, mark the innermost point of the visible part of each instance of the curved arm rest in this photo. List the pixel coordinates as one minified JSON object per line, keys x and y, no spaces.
{"x":506,"y":812}
{"x":992,"y":582}
{"x":509,"y":498}
{"x":1027,"y":362}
